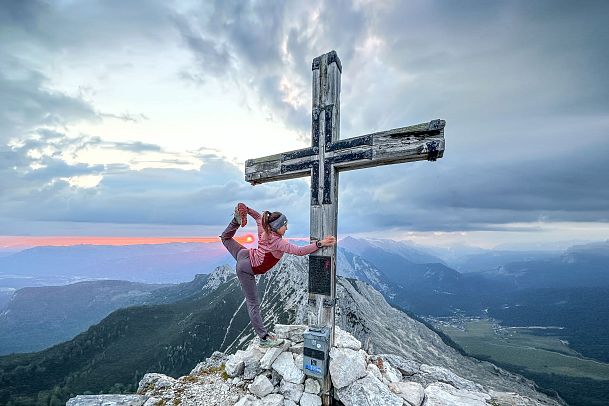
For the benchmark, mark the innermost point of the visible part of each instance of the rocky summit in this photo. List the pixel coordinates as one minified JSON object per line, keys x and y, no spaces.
{"x":260,"y":376}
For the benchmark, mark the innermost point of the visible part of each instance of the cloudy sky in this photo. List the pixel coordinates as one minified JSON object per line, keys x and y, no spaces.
{"x":135,"y":118}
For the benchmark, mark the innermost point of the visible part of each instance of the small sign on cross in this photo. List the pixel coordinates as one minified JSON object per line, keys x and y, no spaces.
{"x":323,"y":160}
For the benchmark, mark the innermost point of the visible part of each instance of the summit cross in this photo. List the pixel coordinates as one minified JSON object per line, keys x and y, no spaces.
{"x":324,"y":159}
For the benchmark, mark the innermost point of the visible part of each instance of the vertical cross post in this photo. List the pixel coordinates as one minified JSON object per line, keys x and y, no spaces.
{"x":324,"y":190}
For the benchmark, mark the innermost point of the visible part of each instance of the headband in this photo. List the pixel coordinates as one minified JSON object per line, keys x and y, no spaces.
{"x":278,"y":223}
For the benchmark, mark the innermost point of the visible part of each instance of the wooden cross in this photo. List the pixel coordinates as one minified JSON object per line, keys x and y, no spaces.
{"x":325,"y":158}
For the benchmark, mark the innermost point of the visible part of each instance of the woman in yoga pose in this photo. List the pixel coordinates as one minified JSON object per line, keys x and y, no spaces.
{"x":257,"y":261}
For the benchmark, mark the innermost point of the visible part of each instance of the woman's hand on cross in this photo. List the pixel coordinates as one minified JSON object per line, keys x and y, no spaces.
{"x":328,"y":241}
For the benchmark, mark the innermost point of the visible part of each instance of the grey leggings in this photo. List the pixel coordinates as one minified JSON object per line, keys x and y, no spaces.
{"x":246,"y":276}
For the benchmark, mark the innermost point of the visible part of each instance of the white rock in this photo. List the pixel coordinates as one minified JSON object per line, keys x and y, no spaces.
{"x":299,"y":360}
{"x":272,"y":353}
{"x":261,"y":386}
{"x":272,"y":400}
{"x":346,"y":366}
{"x":390,"y":373}
{"x":254,"y":351}
{"x":308,"y":399}
{"x":407,"y":367}
{"x":288,"y":402}
{"x":375,"y":371}
{"x":235,"y":364}
{"x":293,"y":332}
{"x":342,"y":339}
{"x":251,"y":369}
{"x":411,"y":392}
{"x":312,"y":386}
{"x":442,"y":394}
{"x":368,"y":391}
{"x":217,"y":358}
{"x":154,"y":381}
{"x":297,"y":348}
{"x":248,"y":400}
{"x":442,"y":374}
{"x":511,"y":398}
{"x":107,"y":400}
{"x":292,"y":391}
{"x":152,"y":401}
{"x":284,"y":365}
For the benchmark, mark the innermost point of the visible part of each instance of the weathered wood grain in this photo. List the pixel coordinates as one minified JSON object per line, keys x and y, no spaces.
{"x":418,"y":142}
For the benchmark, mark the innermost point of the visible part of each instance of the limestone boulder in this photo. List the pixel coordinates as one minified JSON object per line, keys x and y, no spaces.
{"x":312,"y":386}
{"x":271,"y":355}
{"x":249,"y":400}
{"x":411,"y":392}
{"x":291,"y":391}
{"x":390,"y":374}
{"x":309,"y":399}
{"x":235,"y":364}
{"x":342,"y":339}
{"x":368,"y":391}
{"x":215,"y":361}
{"x":261,"y":386}
{"x":251,"y":368}
{"x":346,"y":366}
{"x":154,"y":381}
{"x":297,"y":348}
{"x":442,"y":394}
{"x":441,"y":374}
{"x":285,"y":366}
{"x":272,"y":400}
{"x":372,"y":368}
{"x":407,"y":367}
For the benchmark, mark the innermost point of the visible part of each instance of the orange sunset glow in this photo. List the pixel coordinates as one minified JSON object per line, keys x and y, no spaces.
{"x":21,"y":242}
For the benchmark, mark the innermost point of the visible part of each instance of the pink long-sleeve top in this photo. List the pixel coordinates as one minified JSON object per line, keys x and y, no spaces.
{"x":270,"y":251}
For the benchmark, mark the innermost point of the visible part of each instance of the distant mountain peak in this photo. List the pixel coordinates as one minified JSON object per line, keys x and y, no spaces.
{"x":220,"y":275}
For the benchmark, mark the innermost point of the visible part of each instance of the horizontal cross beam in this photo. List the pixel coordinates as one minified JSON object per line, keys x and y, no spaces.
{"x":418,"y":142}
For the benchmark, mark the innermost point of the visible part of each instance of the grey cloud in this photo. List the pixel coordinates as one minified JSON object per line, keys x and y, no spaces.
{"x":76,"y":26}
{"x":262,"y":42}
{"x":458,"y":196}
{"x":154,"y":196}
{"x":205,"y":196}
{"x":56,"y":168}
{"x":134,"y":118}
{"x":135,"y":146}
{"x":26,"y":102}
{"x":211,"y":55}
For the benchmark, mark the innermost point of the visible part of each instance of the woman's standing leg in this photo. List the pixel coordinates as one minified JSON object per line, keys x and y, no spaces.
{"x":247,"y":278}
{"x":227,"y":238}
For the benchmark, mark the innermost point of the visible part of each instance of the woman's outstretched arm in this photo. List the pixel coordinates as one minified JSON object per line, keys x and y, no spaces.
{"x":284,"y":246}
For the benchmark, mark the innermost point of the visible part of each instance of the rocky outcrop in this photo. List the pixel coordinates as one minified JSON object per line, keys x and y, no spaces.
{"x":359,"y":379}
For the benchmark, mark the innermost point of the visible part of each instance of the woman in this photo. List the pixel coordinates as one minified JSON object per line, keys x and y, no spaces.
{"x":257,"y":261}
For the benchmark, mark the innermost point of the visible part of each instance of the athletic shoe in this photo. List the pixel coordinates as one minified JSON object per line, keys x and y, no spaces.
{"x":241,"y":214}
{"x":271,"y":341}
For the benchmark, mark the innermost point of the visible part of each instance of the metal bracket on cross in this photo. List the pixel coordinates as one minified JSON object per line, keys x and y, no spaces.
{"x":322,"y":161}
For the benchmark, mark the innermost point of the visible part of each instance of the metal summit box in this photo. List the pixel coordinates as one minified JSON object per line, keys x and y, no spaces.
{"x":315,"y":352}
